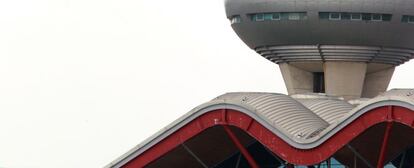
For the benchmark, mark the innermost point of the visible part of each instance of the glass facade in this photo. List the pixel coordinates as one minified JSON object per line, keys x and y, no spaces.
{"x":354,"y":16}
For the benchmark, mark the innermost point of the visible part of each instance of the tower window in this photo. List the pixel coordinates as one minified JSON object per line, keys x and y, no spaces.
{"x":407,"y":19}
{"x":294,"y":16}
{"x":268,"y":16}
{"x":276,"y":16}
{"x":335,"y":16}
{"x":345,"y":16}
{"x":386,"y":17}
{"x":366,"y":16}
{"x":235,"y":19}
{"x":356,"y":16}
{"x":376,"y":17}
{"x":323,"y":15}
{"x":318,"y":82}
{"x":259,"y":17}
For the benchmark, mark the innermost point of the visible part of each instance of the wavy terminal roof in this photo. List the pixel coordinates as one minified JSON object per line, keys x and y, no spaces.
{"x":302,"y":121}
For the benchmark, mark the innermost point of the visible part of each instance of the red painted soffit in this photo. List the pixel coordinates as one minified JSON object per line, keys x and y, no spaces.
{"x":270,"y":140}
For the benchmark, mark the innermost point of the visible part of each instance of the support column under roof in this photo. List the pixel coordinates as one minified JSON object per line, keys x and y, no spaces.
{"x":297,"y":80}
{"x":344,"y":79}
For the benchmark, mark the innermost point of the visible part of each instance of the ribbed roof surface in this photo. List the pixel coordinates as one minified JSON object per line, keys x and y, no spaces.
{"x":304,"y":121}
{"x":329,"y":110}
{"x":307,"y":117}
{"x":282,"y":112}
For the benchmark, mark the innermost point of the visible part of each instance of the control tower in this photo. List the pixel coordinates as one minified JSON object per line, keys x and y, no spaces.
{"x":347,"y":49}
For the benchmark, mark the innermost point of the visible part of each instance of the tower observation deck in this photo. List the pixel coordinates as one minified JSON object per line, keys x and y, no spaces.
{"x":342,"y":48}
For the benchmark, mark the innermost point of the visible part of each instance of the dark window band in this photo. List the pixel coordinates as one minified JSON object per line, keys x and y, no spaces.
{"x":354,"y":16}
{"x":274,"y":16}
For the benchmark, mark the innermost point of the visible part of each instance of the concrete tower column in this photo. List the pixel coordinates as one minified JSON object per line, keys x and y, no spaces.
{"x":377,"y":82}
{"x":297,"y":80}
{"x":345,"y":79}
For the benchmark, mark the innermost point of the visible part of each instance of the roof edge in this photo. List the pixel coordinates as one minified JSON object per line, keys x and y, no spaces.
{"x":294,"y":142}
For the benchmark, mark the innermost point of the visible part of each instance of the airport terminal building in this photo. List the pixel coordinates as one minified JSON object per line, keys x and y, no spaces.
{"x":337,"y":58}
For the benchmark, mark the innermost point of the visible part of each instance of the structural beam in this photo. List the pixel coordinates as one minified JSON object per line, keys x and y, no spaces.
{"x":358,"y":155}
{"x":384,"y":145}
{"x":194,"y":155}
{"x":328,"y":162}
{"x":400,"y":115}
{"x":402,"y":159}
{"x":242,"y":149}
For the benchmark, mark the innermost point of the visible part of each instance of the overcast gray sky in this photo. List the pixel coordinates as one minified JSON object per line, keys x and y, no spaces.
{"x":83,"y":81}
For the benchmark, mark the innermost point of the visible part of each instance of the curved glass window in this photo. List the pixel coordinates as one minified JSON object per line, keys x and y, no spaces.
{"x":268,"y":16}
{"x":259,"y":17}
{"x":407,"y":19}
{"x":293,"y":16}
{"x":235,"y":19}
{"x":278,"y":16}
{"x":345,"y":16}
{"x":334,"y":16}
{"x":386,"y":17}
{"x":324,"y":15}
{"x":354,"y":16}
{"x":376,"y":17}
{"x":366,"y":16}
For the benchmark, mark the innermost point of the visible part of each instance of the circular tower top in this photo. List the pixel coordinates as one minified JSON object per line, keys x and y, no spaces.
{"x":379,"y":31}
{"x":343,"y":48}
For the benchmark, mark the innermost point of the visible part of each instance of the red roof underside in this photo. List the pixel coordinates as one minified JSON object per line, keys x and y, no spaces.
{"x":270,"y":140}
